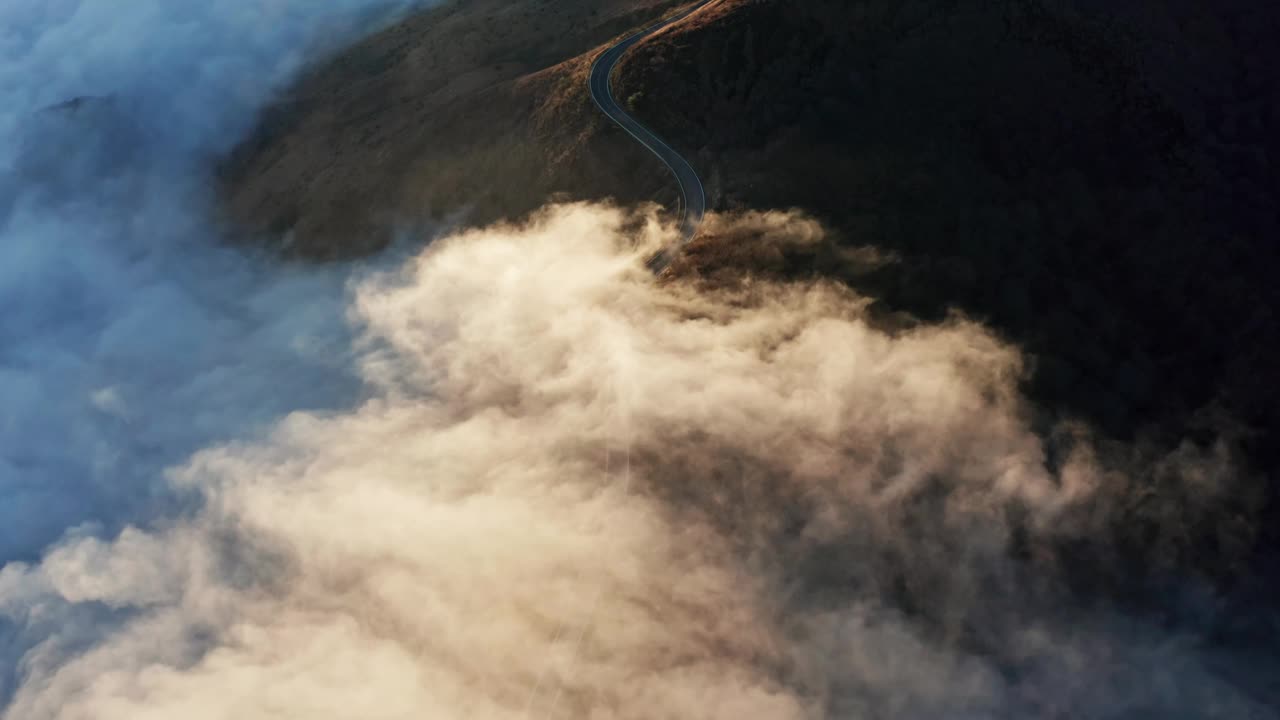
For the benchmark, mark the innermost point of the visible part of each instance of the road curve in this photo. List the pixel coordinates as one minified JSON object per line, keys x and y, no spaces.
{"x":693,"y":196}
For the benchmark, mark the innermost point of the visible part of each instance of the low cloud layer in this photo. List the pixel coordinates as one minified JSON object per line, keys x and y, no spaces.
{"x":573,"y":492}
{"x":130,"y":337}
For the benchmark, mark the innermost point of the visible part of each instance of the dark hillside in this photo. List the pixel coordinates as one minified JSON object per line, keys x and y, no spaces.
{"x":1097,"y":180}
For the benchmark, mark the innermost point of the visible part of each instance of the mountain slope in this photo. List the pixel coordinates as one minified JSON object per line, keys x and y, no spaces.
{"x":1048,"y":166}
{"x":477,"y":106}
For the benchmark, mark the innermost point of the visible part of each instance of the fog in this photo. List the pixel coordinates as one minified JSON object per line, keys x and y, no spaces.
{"x":510,"y":475}
{"x":573,"y":492}
{"x":129,"y":338}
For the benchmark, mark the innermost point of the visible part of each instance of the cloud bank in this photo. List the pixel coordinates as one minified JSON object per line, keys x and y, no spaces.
{"x":130,"y":338}
{"x":573,"y":492}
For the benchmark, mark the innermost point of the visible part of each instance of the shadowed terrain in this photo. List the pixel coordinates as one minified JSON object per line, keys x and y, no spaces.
{"x":478,"y":106}
{"x":1049,"y":167}
{"x":1097,"y":181}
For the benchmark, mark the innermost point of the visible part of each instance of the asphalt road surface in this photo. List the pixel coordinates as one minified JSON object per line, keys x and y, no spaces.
{"x":693,"y":197}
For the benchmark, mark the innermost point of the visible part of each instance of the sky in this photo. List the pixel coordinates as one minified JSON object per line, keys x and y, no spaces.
{"x":503,"y":474}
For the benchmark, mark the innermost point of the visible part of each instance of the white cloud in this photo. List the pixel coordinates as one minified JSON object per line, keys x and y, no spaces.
{"x":573,"y":492}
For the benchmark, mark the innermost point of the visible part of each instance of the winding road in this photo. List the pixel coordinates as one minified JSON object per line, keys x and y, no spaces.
{"x":693,"y":196}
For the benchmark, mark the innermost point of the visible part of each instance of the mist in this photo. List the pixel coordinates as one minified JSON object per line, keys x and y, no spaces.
{"x":131,"y":335}
{"x":570,"y":491}
{"x":512,"y":475}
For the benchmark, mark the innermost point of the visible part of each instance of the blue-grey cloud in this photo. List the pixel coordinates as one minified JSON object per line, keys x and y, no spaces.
{"x":131,"y":335}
